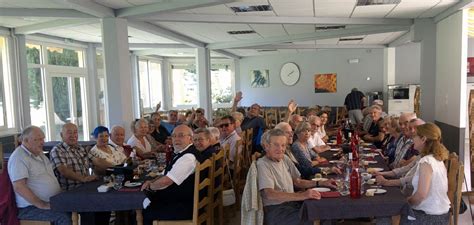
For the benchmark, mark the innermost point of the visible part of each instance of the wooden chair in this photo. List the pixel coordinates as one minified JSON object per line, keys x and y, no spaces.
{"x":217,"y":186}
{"x":237,"y":172}
{"x":271,"y":117}
{"x":202,"y":199}
{"x":341,"y":113}
{"x":455,"y":170}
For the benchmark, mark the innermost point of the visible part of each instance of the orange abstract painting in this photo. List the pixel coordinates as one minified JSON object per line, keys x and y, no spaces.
{"x":325,"y":83}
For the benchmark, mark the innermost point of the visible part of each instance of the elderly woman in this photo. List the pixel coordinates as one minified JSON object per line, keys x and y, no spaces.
{"x":429,"y":200}
{"x":103,"y":155}
{"x":238,"y":117}
{"x":395,"y":134}
{"x":301,"y":151}
{"x":138,"y":140}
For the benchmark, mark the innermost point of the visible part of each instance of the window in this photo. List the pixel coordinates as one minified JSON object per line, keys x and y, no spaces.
{"x":150,"y":84}
{"x":184,"y":84}
{"x":56,"y":78}
{"x":221,"y":84}
{"x":7,"y":119}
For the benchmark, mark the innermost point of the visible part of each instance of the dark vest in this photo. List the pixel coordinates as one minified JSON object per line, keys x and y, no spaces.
{"x":183,"y":193}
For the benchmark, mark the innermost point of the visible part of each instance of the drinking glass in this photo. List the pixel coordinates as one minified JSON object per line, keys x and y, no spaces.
{"x":161,"y":161}
{"x":118,"y":182}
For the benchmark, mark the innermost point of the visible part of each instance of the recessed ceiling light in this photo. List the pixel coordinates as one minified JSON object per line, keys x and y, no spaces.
{"x":30,"y":19}
{"x":368,"y":78}
{"x":179,"y":53}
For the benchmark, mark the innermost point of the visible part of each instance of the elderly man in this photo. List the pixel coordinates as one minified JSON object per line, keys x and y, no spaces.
{"x":33,"y":179}
{"x":316,"y":142}
{"x":405,"y":142}
{"x":172,"y":198}
{"x":70,"y":162}
{"x":117,"y":138}
{"x":172,"y":121}
{"x":277,"y":177}
{"x":229,"y":135}
{"x":160,"y":133}
{"x":354,"y":102}
{"x":215,"y":137}
{"x":374,"y":134}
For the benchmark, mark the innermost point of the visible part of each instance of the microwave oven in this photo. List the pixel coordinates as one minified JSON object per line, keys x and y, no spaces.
{"x":399,"y":92}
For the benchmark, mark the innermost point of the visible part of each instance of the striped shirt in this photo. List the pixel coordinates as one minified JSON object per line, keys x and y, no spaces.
{"x":354,"y":100}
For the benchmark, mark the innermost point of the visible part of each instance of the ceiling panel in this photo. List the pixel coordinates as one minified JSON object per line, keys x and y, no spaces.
{"x":243,"y":52}
{"x":411,"y":9}
{"x":18,"y":21}
{"x":212,"y":10}
{"x":375,"y":39}
{"x":68,"y":33}
{"x":143,"y":35}
{"x":292,"y":8}
{"x":115,"y":4}
{"x":304,"y":42}
{"x":287,"y":51}
{"x":142,"y":2}
{"x":332,"y":41}
{"x":373,"y":11}
{"x":440,"y":7}
{"x":210,"y":32}
{"x":293,"y":29}
{"x":33,"y":4}
{"x":334,"y":8}
{"x":247,"y":3}
{"x":269,"y":30}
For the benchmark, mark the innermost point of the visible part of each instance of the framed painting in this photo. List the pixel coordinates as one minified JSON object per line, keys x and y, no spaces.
{"x":260,"y":78}
{"x":325,"y":83}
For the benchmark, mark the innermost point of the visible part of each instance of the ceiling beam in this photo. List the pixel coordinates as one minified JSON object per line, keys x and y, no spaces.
{"x":89,"y":7}
{"x":200,"y":18}
{"x":166,"y":33}
{"x":51,"y":25}
{"x":227,"y":54}
{"x":167,"y":6}
{"x":151,"y":45}
{"x":316,"y":46}
{"x":309,"y":37}
{"x":406,"y":38}
{"x":56,"y":13}
{"x":453,"y":9}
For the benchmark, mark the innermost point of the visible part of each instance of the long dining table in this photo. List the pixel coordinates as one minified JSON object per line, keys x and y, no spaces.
{"x":381,"y":206}
{"x":86,"y":198}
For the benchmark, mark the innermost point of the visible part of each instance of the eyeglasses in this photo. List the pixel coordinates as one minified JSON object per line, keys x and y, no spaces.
{"x":199,"y":139}
{"x":179,"y":135}
{"x":224,"y":125}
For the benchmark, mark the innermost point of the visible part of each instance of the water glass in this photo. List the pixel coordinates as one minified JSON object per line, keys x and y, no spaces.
{"x":118,"y":181}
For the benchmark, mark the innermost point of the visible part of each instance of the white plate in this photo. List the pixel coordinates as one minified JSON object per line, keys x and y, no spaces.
{"x":377,"y":191}
{"x":366,"y":144}
{"x":320,"y":179}
{"x":371,"y":162}
{"x":321,"y":189}
{"x":372,"y":170}
{"x":371,"y":181}
{"x":335,"y":149}
{"x":132,"y":184}
{"x":370,"y":154}
{"x":336,"y":161}
{"x":366,"y":149}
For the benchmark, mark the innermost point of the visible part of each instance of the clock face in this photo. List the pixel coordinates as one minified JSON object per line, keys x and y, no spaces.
{"x":290,"y":73}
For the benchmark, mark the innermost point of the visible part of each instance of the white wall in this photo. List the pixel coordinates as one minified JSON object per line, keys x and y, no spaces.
{"x":470,"y":45}
{"x":407,"y":64}
{"x":310,"y":63}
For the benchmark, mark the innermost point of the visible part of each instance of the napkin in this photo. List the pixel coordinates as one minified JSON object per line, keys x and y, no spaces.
{"x":330,"y":194}
{"x":104,"y":188}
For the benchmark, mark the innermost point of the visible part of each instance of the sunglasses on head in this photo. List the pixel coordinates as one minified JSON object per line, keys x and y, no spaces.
{"x":224,"y":125}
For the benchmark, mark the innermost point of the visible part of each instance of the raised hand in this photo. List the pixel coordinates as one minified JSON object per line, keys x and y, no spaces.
{"x":238,"y":96}
{"x":292,"y":105}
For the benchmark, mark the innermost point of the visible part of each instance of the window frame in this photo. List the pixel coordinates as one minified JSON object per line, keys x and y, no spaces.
{"x":7,"y":80}
{"x":49,"y":71}
{"x":149,"y":60}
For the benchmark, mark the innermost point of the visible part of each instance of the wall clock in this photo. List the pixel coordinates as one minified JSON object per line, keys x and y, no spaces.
{"x":290,"y":73}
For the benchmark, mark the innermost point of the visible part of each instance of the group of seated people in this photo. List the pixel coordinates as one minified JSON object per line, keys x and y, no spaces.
{"x":290,"y":159}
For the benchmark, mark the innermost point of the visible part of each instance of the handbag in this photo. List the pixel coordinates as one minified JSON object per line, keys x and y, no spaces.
{"x":228,"y":196}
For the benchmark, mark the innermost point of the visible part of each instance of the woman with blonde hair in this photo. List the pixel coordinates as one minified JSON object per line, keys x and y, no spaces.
{"x":429,"y":200}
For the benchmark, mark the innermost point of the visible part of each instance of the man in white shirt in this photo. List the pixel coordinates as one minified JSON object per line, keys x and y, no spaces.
{"x":228,"y":135}
{"x":316,"y":142}
{"x":172,"y":194}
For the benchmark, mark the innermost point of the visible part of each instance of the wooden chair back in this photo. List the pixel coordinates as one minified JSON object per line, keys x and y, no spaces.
{"x":455,"y":171}
{"x":238,"y":170}
{"x":271,"y":117}
{"x":217,"y":187}
{"x":341,"y":113}
{"x":202,"y":198}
